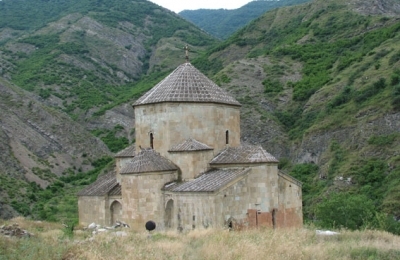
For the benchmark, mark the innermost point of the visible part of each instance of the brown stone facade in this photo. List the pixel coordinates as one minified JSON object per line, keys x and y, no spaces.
{"x":142,"y":197}
{"x":192,"y":163}
{"x":249,"y":202}
{"x":172,"y":123}
{"x":98,"y":209}
{"x":196,"y":174}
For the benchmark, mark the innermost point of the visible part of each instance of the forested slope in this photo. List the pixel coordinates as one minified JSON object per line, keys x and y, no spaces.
{"x":320,"y":84}
{"x":222,"y":23}
{"x":68,"y":73}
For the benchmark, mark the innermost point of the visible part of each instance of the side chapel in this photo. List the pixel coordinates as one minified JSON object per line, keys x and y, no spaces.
{"x":188,"y":169}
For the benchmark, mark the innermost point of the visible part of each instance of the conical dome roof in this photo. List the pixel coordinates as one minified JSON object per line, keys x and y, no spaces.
{"x":186,"y":84}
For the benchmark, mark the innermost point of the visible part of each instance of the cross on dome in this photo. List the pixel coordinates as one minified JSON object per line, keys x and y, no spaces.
{"x":186,"y":48}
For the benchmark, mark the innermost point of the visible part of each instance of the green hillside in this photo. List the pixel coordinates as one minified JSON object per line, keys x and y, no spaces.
{"x":222,"y":23}
{"x":92,"y":53}
{"x":84,"y":60}
{"x":319,"y":84}
{"x":325,"y":77}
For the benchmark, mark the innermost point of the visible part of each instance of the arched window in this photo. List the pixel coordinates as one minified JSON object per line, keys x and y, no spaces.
{"x":227,"y":137}
{"x":169,"y":213}
{"x":151,"y":141}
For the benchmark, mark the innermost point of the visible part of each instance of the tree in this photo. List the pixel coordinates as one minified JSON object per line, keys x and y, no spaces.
{"x":345,"y":210}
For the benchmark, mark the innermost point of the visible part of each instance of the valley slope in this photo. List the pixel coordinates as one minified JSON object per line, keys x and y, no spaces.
{"x":319,"y":84}
{"x":320,"y":88}
{"x":69,"y":71}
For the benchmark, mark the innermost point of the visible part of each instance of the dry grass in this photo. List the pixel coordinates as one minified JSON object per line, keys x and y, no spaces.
{"x":50,"y":242}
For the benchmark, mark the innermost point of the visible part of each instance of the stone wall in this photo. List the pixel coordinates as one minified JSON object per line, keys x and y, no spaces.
{"x":262,"y":187}
{"x":192,"y":163}
{"x":142,"y":197}
{"x":194,"y":210}
{"x":233,"y":201}
{"x":97,"y":209}
{"x":290,"y":210}
{"x":173,"y":123}
{"x":119,"y":164}
{"x":92,"y":209}
{"x":198,"y":210}
{"x":191,"y":211}
{"x":257,"y":190}
{"x":260,"y":198}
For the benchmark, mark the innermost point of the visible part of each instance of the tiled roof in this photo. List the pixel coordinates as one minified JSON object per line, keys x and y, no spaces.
{"x":186,"y":84}
{"x":243,"y":154}
{"x":127,"y":152}
{"x":148,"y":161}
{"x":190,"y":145}
{"x":209,"y":181}
{"x":115,"y":191}
{"x":102,"y":186}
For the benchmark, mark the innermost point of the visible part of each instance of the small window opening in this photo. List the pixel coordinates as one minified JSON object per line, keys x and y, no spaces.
{"x":151,"y":141}
{"x":227,"y":137}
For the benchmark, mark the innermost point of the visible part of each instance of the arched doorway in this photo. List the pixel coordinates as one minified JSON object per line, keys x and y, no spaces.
{"x":116,"y":212}
{"x":169,"y":211}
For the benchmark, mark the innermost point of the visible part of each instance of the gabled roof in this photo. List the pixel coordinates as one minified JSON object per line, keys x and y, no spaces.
{"x":127,"y":152}
{"x":243,"y":154}
{"x":186,"y":84}
{"x":104,"y":185}
{"x":209,"y":181}
{"x":190,"y":145}
{"x":148,"y":161}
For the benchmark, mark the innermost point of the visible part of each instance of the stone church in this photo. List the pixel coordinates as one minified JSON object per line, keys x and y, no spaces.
{"x":188,"y":169}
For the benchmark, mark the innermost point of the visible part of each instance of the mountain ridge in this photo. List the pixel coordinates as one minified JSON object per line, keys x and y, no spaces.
{"x":317,"y":82}
{"x":221,"y":23}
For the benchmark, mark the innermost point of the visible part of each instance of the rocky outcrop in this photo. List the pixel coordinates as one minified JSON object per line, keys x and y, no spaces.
{"x":377,"y":7}
{"x":39,"y":143}
{"x":14,"y":231}
{"x":315,"y":145}
{"x":39,"y":136}
{"x":6,"y":211}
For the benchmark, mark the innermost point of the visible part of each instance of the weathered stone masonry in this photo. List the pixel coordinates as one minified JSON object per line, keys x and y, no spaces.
{"x":188,"y":169}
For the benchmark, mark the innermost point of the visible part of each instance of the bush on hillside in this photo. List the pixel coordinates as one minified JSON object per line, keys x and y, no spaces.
{"x":271,"y":86}
{"x":344,"y":210}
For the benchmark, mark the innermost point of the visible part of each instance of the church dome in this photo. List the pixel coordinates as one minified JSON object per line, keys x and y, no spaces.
{"x":186,"y":84}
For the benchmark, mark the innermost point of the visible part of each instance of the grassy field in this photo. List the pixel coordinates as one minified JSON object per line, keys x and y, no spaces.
{"x":53,"y":241}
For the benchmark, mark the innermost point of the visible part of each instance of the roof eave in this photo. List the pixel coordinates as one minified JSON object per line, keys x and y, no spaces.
{"x":199,"y":102}
{"x":242,"y":163}
{"x":182,"y":151}
{"x":155,"y":172}
{"x":218,"y":189}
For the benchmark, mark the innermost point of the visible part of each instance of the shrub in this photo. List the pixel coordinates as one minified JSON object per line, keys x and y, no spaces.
{"x":394,"y":79}
{"x":345,"y":210}
{"x":382,"y":140}
{"x":396,"y":97}
{"x":100,"y":163}
{"x":370,"y":91}
{"x":344,"y":97}
{"x":394,"y":58}
{"x":272,"y":86}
